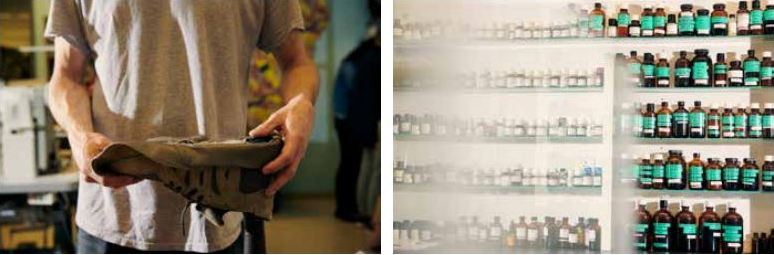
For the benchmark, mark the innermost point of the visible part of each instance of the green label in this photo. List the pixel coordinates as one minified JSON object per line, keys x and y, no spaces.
{"x":768,"y":15}
{"x":719,"y":20}
{"x":752,"y":66}
{"x":713,"y":174}
{"x":702,"y":23}
{"x":685,"y":24}
{"x":731,"y":174}
{"x":597,"y":22}
{"x":658,"y":171}
{"x":732,"y":234}
{"x":768,"y":175}
{"x":749,"y":176}
{"x":721,"y":68}
{"x":634,"y":68}
{"x":688,"y":229}
{"x":647,"y":23}
{"x":740,"y":120}
{"x":664,"y":120}
{"x":756,"y":17}
{"x":648,"y":122}
{"x":683,"y":72}
{"x":662,"y":72}
{"x":767,"y":120}
{"x":697,"y":119}
{"x":767,"y":72}
{"x":700,"y":70}
{"x":674,"y":171}
{"x":755,"y":121}
{"x":648,"y":70}
{"x":641,"y":228}
{"x":712,"y":225}
{"x":696,"y":174}
{"x":681,"y":117}
{"x":623,"y":19}
{"x":728,"y":123}
{"x":635,"y":170}
{"x":660,"y":228}
{"x":659,"y":21}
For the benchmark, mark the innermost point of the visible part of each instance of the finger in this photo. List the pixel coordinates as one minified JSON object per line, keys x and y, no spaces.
{"x":282,"y":179}
{"x":286,"y":157}
{"x":267,"y":126}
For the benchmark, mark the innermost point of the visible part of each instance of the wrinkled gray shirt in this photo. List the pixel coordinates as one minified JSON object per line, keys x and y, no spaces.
{"x":175,"y":68}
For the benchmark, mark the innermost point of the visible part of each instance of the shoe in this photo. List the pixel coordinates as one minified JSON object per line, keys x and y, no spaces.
{"x":217,"y":176}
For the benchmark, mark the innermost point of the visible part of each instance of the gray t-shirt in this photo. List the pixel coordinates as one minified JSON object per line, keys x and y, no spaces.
{"x":174,"y":68}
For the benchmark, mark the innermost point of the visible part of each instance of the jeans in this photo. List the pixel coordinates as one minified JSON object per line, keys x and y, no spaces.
{"x":89,"y":244}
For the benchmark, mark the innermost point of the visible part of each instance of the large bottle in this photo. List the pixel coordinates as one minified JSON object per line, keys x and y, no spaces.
{"x":731,"y":174}
{"x":534,"y":233}
{"x":680,"y":125}
{"x":697,"y":120}
{"x":713,"y":174}
{"x":521,"y":233}
{"x":551,"y":231}
{"x":709,"y":230}
{"x":696,"y":173}
{"x":675,"y":170}
{"x":645,"y":178}
{"x":663,"y":228}
{"x":733,"y":231}
{"x":750,"y":175}
{"x":767,"y":174}
{"x":664,"y":121}
{"x":687,"y":234}
{"x":683,"y":70}
{"x":643,"y":237}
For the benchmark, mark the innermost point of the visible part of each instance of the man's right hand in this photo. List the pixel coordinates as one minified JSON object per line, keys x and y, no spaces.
{"x":88,"y":146}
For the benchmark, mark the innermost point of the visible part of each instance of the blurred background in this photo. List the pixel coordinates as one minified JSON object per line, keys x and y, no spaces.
{"x":38,"y":183}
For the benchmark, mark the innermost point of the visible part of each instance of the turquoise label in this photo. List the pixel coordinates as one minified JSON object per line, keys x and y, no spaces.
{"x":752,"y":66}
{"x":688,"y":229}
{"x":732,"y":234}
{"x":768,"y":15}
{"x":719,"y":20}
{"x":674,"y":171}
{"x":700,"y":70}
{"x":685,"y":23}
{"x":648,"y":122}
{"x":623,"y":19}
{"x":635,"y":170}
{"x":756,"y":17}
{"x":597,"y":22}
{"x":659,"y":21}
{"x":662,"y":72}
{"x":696,"y":174}
{"x":721,"y":69}
{"x":647,"y":23}
{"x":768,"y":175}
{"x":728,"y":123}
{"x":731,"y":174}
{"x":740,"y":120}
{"x":634,"y":68}
{"x":648,"y":70}
{"x":697,"y":119}
{"x":658,"y":171}
{"x":664,"y":120}
{"x":749,"y":176}
{"x":681,"y":117}
{"x":713,"y":174}
{"x":767,"y":72}
{"x":767,"y":120}
{"x":641,"y":228}
{"x":660,"y":228}
{"x":712,"y":225}
{"x":702,"y":23}
{"x":683,"y":72}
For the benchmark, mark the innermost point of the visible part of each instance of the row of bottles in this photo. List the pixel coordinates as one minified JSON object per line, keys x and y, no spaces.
{"x":511,"y":79}
{"x":436,"y":125}
{"x":755,"y":122}
{"x":584,"y":175}
{"x":662,"y":232}
{"x":658,"y":171}
{"x":761,"y":244}
{"x":550,"y":235}
{"x":699,"y":71}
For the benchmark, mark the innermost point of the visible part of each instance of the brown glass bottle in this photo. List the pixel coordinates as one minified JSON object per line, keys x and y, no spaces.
{"x":593,"y":235}
{"x":675,"y":170}
{"x":534,"y":236}
{"x":624,"y":19}
{"x":662,"y":73}
{"x":687,"y":231}
{"x":767,"y":120}
{"x":701,"y":68}
{"x":551,"y":234}
{"x":663,"y":229}
{"x":682,"y":70}
{"x":727,"y":122}
{"x":659,"y":22}
{"x":646,"y":22}
{"x":649,"y":121}
{"x":742,"y":19}
{"x":696,"y":173}
{"x":735,"y":74}
{"x":756,"y":18}
{"x":581,"y":234}
{"x":750,"y":175}
{"x":713,"y":174}
{"x":767,"y":173}
{"x":645,"y":178}
{"x":719,"y":20}
{"x":664,"y":121}
{"x":731,"y":174}
{"x":697,"y":121}
{"x":709,"y":230}
{"x":714,"y":123}
{"x":648,"y":71}
{"x":680,"y":121}
{"x":754,"y":121}
{"x":733,"y":231}
{"x":719,"y":71}
{"x":597,"y":21}
{"x":740,"y":122}
{"x":752,"y":69}
{"x":564,"y":234}
{"x":635,"y":69}
{"x":767,"y":69}
{"x":521,"y":233}
{"x":643,"y":234}
{"x":659,"y":171}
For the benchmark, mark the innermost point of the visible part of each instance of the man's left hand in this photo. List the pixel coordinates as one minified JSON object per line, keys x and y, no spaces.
{"x":294,"y":121}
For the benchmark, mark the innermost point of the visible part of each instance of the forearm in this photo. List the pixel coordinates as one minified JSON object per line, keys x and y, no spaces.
{"x":300,"y":81}
{"x":69,"y":98}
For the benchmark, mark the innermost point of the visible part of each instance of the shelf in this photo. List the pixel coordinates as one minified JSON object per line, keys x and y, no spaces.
{"x":707,"y":141}
{"x":501,"y":140}
{"x":486,"y":247}
{"x":524,"y":190}
{"x":525,"y":90}
{"x":702,"y":89}
{"x":700,"y":193}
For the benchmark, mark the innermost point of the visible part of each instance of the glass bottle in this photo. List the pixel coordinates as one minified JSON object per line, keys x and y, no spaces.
{"x":701,"y":70}
{"x":768,"y":19}
{"x":663,"y":229}
{"x":697,"y":120}
{"x":564,"y":234}
{"x":731,"y":174}
{"x":624,"y":19}
{"x":696,"y":173}
{"x":742,"y":19}
{"x":767,"y":70}
{"x":593,"y":234}
{"x":533,"y":233}
{"x":686,"y":23}
{"x":551,"y":234}
{"x":397,"y":29}
{"x":733,"y":231}
{"x":752,"y":69}
{"x":671,"y":27}
{"x":648,"y":71}
{"x":635,"y":27}
{"x":675,"y":170}
{"x":662,"y":73}
{"x":756,"y":18}
{"x":682,"y":70}
{"x":719,"y":20}
{"x":647,"y":21}
{"x":572,"y":239}
{"x":750,"y":175}
{"x":496,"y":230}
{"x":714,"y":123}
{"x":510,"y":237}
{"x":767,"y":173}
{"x":709,"y":230}
{"x":767,"y":120}
{"x":643,"y":236}
{"x":597,"y":21}
{"x":612,"y":27}
{"x":645,"y":174}
{"x":719,"y":71}
{"x":521,"y":233}
{"x":680,"y":125}
{"x":664,"y":121}
{"x":735,"y":74}
{"x":686,"y":241}
{"x":727,"y":122}
{"x":649,"y":121}
{"x":713,"y":174}
{"x":754,"y":123}
{"x":658,"y":171}
{"x":703,"y":23}
{"x":659,"y":22}
{"x":635,"y":69}
{"x":740,"y":122}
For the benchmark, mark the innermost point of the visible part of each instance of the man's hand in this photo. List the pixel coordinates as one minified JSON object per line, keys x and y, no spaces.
{"x":88,"y":146}
{"x":294,"y":121}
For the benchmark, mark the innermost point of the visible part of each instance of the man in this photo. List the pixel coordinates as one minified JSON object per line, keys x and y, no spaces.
{"x":169,"y":68}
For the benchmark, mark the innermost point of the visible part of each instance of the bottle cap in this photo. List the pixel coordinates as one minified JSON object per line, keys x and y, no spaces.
{"x":755,"y":105}
{"x":635,"y":17}
{"x":714,"y":106}
{"x":767,"y":54}
{"x":708,"y":204}
{"x":658,"y":156}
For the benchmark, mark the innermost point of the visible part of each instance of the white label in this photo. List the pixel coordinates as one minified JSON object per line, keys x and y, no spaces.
{"x":663,"y":82}
{"x":701,"y":81}
{"x":735,"y":73}
{"x":591,"y":235}
{"x":573,"y":238}
{"x":597,"y":180}
{"x":671,"y":29}
{"x":395,"y":234}
{"x":495,"y":232}
{"x":742,"y":21}
{"x":696,"y":185}
{"x":720,"y":25}
{"x":720,"y":82}
{"x":415,"y":234}
{"x":734,"y":245}
{"x":532,"y":235}
{"x":634,"y":31}
{"x":564,"y":233}
{"x":521,"y":233}
{"x":647,"y":32}
{"x":690,"y":236}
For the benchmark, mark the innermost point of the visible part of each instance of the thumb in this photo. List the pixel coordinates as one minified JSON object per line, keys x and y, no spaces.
{"x":267,"y":126}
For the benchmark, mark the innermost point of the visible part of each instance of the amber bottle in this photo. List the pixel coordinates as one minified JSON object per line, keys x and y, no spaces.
{"x":686,"y":23}
{"x":643,"y":233}
{"x":701,"y":68}
{"x":597,"y":21}
{"x":742,"y":19}
{"x":662,"y":73}
{"x":767,"y":70}
{"x":720,"y":70}
{"x":767,"y":173}
{"x":696,"y":173}
{"x":731,"y":174}
{"x":735,"y":74}
{"x":713,"y":174}
{"x":719,"y":20}
{"x":709,"y":230}
{"x":675,"y":170}
{"x":645,"y":178}
{"x":740,"y":122}
{"x":714,"y":124}
{"x":664,"y":121}
{"x":756,"y":18}
{"x":697,"y":121}
{"x":754,"y":121}
{"x":564,"y":234}
{"x":658,"y":167}
{"x":752,"y":69}
{"x":683,"y":70}
{"x":659,"y":22}
{"x":648,"y":71}
{"x":624,"y":19}
{"x":649,"y":121}
{"x":680,"y":121}
{"x":750,"y":175}
{"x":733,"y":232}
{"x":727,"y":122}
{"x":635,"y":69}
{"x":646,"y":22}
{"x":663,"y":229}
{"x":687,"y":231}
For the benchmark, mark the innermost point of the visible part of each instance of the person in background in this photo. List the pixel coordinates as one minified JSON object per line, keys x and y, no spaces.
{"x":356,"y":102}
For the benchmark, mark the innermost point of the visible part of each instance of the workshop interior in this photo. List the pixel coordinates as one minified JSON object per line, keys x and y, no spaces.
{"x":39,"y":180}
{"x":581,"y":126}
